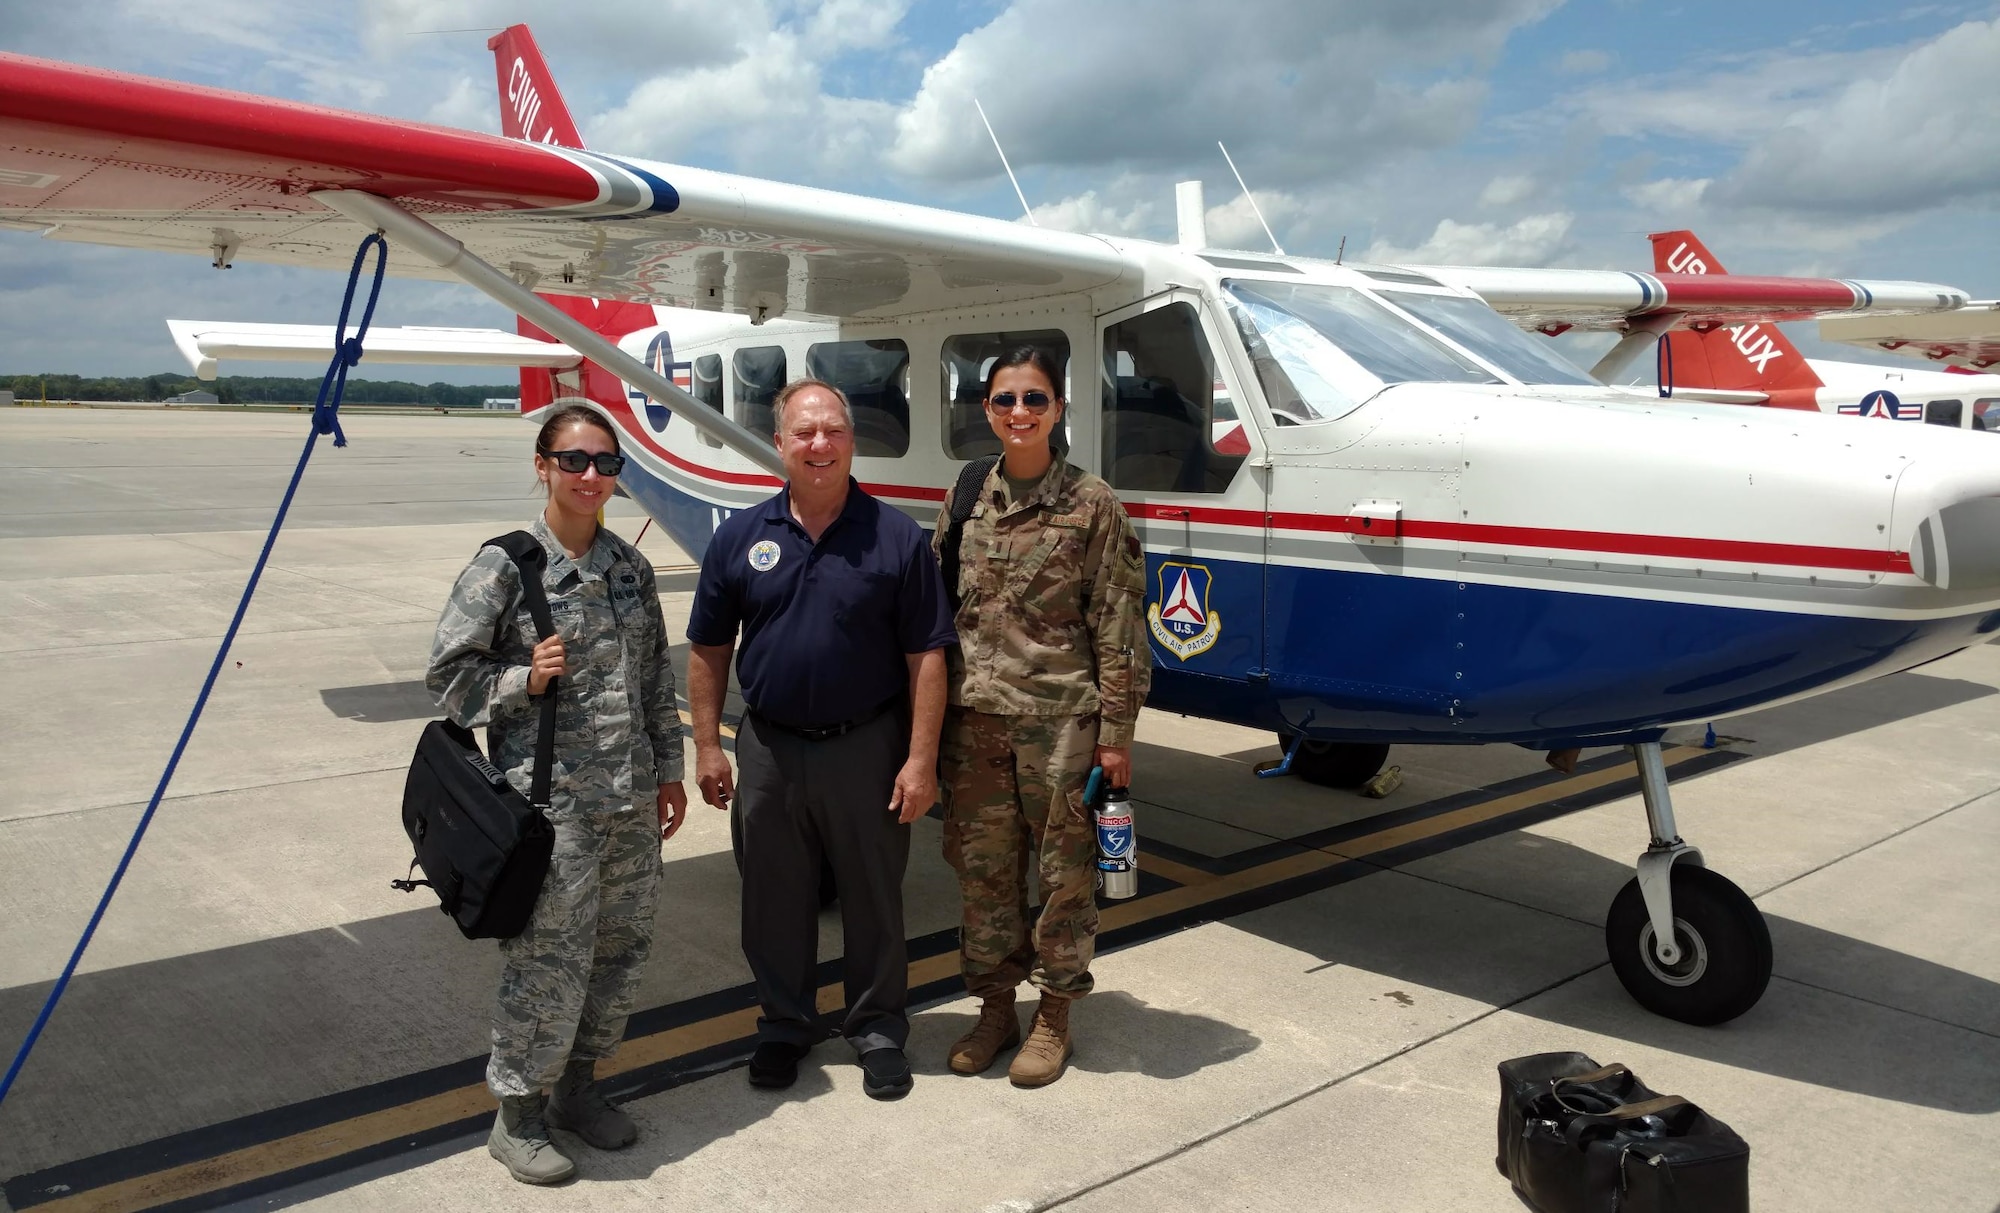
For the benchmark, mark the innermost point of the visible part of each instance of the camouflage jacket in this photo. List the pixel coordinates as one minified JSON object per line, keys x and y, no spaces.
{"x":618,"y":728}
{"x":1052,"y":614}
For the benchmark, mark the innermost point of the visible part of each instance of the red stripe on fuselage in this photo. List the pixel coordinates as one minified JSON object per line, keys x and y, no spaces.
{"x":1732,"y":551}
{"x":173,"y":134}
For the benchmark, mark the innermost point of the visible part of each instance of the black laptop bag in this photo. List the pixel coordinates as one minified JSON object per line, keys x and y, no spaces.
{"x":1577,"y":1137}
{"x":483,"y":846}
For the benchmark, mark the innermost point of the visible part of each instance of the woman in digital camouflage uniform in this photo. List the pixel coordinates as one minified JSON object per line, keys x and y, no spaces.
{"x":569,"y":979}
{"x":1047,"y":680}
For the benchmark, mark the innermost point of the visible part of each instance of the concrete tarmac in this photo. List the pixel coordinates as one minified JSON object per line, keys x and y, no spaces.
{"x":1303,"y":1008}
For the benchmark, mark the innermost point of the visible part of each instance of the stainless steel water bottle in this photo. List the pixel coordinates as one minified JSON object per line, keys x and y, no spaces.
{"x":1117,"y":845}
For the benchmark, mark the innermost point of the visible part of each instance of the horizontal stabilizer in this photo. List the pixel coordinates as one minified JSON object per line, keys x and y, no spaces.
{"x":204,"y":343}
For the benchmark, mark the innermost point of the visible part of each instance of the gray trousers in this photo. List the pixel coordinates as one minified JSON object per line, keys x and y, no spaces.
{"x":804,"y":802}
{"x":568,"y":982}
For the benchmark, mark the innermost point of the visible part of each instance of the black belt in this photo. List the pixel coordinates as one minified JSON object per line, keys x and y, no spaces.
{"x":822,"y":732}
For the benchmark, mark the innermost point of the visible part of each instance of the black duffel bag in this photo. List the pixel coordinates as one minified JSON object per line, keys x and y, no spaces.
{"x":483,"y":846}
{"x":1577,"y":1137}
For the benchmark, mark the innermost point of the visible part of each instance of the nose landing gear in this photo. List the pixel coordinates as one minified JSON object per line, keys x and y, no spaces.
{"x":1686,"y":942}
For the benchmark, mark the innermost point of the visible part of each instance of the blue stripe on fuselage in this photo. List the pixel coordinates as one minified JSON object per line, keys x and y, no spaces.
{"x":1384,"y":657}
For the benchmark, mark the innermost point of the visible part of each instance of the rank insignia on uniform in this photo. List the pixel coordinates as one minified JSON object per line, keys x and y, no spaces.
{"x":764,"y":555}
{"x":1181,"y":620}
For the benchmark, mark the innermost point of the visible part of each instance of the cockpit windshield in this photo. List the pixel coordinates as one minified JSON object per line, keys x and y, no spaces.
{"x":1321,"y":351}
{"x":1490,"y":335}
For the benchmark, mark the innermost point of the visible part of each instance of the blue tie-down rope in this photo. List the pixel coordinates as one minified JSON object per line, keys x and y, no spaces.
{"x":325,"y":420}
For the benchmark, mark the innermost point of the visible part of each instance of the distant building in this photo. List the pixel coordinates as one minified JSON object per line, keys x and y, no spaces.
{"x":501,"y":404}
{"x":6,"y":399}
{"x":193,"y":398}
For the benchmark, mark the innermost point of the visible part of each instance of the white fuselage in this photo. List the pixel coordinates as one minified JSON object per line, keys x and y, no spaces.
{"x":1937,"y":397}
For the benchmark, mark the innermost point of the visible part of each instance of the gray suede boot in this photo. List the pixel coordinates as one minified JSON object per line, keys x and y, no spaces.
{"x":520,"y":1140}
{"x":580,"y":1107}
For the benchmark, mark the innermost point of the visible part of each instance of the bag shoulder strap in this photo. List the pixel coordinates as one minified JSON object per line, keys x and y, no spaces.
{"x":529,"y":557}
{"x":964,"y":499}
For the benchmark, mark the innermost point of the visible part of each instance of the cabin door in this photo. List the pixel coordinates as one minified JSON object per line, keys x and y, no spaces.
{"x":1179,"y":452}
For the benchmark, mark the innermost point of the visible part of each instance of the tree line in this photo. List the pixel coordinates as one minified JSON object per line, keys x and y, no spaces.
{"x":251,"y":389}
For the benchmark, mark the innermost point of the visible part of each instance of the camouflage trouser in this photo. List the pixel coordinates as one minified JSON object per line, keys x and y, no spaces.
{"x":570,"y":978}
{"x":1013,"y":792}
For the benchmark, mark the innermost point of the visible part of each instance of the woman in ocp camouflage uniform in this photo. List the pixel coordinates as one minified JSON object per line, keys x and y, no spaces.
{"x":568,"y":981}
{"x":1047,"y":680}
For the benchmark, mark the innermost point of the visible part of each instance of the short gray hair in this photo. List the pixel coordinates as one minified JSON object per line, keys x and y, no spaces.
{"x":785,"y":394}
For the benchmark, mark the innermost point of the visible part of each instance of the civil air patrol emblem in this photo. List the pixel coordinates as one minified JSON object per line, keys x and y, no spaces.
{"x":764,"y":555}
{"x":1180,"y":619}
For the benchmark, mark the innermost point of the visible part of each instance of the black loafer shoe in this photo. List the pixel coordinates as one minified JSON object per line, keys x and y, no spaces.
{"x":885,"y":1074}
{"x":775,"y":1064}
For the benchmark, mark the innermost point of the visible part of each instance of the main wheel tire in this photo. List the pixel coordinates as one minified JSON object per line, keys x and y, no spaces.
{"x":1725,"y":949}
{"x":1336,"y":764}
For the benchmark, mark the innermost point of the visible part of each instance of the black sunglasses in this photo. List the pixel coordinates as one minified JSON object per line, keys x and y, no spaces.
{"x":575,"y":461}
{"x":1003,"y":402}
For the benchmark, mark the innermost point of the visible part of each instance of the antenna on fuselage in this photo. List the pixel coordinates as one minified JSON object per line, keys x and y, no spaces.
{"x":1025,"y":208}
{"x":1254,"y":208}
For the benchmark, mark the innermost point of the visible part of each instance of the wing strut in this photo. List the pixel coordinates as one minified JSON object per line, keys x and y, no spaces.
{"x":1640,"y":333}
{"x":378,"y":213}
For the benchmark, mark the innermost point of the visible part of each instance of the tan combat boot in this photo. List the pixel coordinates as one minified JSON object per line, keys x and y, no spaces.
{"x":579,"y":1106}
{"x":520,"y":1140}
{"x":998,"y":1029}
{"x":1041,"y":1060}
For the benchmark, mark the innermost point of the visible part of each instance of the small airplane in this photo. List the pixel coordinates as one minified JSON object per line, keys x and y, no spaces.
{"x":1424,"y":526}
{"x":1757,"y":364}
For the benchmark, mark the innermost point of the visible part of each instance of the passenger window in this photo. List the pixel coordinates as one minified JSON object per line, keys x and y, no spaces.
{"x":708,"y":387}
{"x":964,"y":364}
{"x":876,"y":377}
{"x":1986,"y":414}
{"x":759,"y":373}
{"x":1160,"y":419}
{"x":1945,"y":412}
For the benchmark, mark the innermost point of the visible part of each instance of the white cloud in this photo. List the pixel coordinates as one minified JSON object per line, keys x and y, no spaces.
{"x":1669,"y":195}
{"x":1533,"y":241}
{"x":1088,"y":212}
{"x":769,"y":97}
{"x":1584,"y":62}
{"x":1234,"y":224}
{"x":1923,"y":133}
{"x":1288,"y":85}
{"x":1510,"y":189}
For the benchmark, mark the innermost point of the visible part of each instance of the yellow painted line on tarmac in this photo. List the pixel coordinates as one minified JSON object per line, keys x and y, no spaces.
{"x":1179,"y":873}
{"x":405,"y":1120}
{"x":1305,"y":863}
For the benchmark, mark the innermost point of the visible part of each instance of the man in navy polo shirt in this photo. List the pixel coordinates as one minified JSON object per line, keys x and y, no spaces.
{"x":844,"y":625}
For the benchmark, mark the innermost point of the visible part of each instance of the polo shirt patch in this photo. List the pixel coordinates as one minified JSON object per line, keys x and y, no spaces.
{"x":764,"y":555}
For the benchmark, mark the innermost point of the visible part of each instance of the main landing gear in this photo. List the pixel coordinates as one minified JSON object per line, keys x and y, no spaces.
{"x":1686,"y":942}
{"x":1330,"y":764}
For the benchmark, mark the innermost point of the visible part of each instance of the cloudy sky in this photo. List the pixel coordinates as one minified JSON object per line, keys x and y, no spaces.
{"x":1838,"y":137}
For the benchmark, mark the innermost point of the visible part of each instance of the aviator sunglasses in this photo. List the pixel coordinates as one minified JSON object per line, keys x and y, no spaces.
{"x":574,"y":462}
{"x":1035,"y":402}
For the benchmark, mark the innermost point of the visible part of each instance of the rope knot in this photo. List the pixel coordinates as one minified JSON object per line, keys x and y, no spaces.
{"x":350,"y":350}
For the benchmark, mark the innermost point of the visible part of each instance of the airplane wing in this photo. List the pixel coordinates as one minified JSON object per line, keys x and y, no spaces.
{"x":1968,"y":337}
{"x":205,"y":343}
{"x":110,"y":158}
{"x":1555,"y":300}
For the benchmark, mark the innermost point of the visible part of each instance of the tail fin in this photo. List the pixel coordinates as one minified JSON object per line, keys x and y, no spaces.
{"x":530,"y":106}
{"x":611,"y":318}
{"x":1740,"y":358}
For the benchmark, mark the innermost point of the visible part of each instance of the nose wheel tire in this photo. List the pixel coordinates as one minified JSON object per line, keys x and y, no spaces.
{"x":1725,"y":949}
{"x":1336,"y":764}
